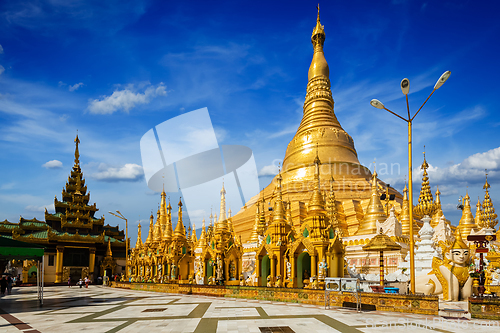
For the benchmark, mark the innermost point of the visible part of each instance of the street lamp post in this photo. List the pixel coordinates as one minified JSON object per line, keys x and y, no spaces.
{"x":405,"y":88}
{"x":120,"y":216}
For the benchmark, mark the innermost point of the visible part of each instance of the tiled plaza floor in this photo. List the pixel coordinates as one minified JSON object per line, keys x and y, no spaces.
{"x":103,"y":309}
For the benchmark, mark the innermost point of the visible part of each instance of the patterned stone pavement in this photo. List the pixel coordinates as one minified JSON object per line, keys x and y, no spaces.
{"x":103,"y":309}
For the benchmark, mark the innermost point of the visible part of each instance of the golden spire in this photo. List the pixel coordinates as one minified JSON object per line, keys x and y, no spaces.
{"x":375,"y":211}
{"x":489,"y":217}
{"x":149,"y":239}
{"x":319,"y":125}
{"x":168,"y":233}
{"x":316,"y":202}
{"x":319,"y":66}
{"x":108,"y":250}
{"x":163,"y":213}
{"x":405,"y":213}
{"x":77,"y":153}
{"x":222,"y":224}
{"x":439,"y":210}
{"x":138,"y":244}
{"x":203,"y":237}
{"x":194,"y":239}
{"x":279,"y":210}
{"x":157,"y":228}
{"x":257,"y":230}
{"x":179,"y":231}
{"x":478,"y":219}
{"x":289,"y":212}
{"x":426,"y":204}
{"x":466,"y":223}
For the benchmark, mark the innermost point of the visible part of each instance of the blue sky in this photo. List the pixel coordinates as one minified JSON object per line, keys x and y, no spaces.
{"x":115,"y":69}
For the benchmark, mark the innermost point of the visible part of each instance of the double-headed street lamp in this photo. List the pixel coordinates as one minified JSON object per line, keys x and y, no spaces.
{"x":405,"y":88}
{"x":120,"y":216}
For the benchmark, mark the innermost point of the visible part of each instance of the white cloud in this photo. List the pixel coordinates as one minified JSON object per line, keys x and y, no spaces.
{"x":470,"y":171}
{"x":125,"y":99}
{"x":61,"y":84}
{"x":38,"y":209}
{"x":1,"y":49}
{"x":75,"y":86}
{"x":220,"y":133}
{"x":129,"y":172}
{"x":2,"y":69}
{"x":269,"y":170}
{"x":54,"y":164}
{"x":8,"y":186}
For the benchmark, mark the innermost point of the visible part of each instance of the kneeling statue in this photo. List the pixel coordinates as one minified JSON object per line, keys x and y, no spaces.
{"x":450,"y":276}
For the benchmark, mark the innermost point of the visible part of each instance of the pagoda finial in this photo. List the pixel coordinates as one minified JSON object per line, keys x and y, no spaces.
{"x":374,"y":211}
{"x":179,"y":231}
{"x":489,"y":217}
{"x":486,"y":185}
{"x":77,"y":153}
{"x":138,"y":244}
{"x":278,"y":211}
{"x":222,"y":215}
{"x":319,"y":30}
{"x":108,"y":251}
{"x":426,"y":204}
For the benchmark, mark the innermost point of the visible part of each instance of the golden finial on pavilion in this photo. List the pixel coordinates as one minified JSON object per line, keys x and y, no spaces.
{"x":426,"y":205}
{"x":179,"y":231}
{"x":466,"y":224}
{"x":489,"y":217}
{"x":77,"y":153}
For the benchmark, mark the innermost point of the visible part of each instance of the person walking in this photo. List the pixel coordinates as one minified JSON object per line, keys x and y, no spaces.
{"x":9,"y":284}
{"x":87,"y":281}
{"x":80,"y":283}
{"x":69,"y":281}
{"x":3,"y":285}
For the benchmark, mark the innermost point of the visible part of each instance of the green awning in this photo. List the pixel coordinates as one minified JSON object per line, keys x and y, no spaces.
{"x":11,"y":249}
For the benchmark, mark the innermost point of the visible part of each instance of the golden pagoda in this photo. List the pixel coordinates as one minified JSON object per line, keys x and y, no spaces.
{"x":488,"y":215}
{"x":466,"y":224}
{"x":319,"y":133}
{"x":426,"y":205}
{"x":375,"y":211}
{"x":219,"y":251}
{"x":288,"y":258}
{"x":439,"y":210}
{"x":166,"y":255}
{"x":75,"y":239}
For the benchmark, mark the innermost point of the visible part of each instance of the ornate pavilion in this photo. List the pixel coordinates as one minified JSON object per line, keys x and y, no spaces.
{"x":76,"y":241}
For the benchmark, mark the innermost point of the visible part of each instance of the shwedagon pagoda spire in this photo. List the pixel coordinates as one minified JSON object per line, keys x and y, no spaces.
{"x":319,"y":126}
{"x":319,"y":134}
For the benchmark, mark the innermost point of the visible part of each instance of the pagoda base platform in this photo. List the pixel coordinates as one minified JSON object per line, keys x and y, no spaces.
{"x":380,"y":302}
{"x":485,"y":307}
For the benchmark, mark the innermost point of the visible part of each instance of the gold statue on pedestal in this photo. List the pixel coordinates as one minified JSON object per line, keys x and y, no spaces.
{"x":449,"y":277}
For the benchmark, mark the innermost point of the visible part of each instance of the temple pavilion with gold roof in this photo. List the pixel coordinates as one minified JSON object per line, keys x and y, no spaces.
{"x":77,"y":244}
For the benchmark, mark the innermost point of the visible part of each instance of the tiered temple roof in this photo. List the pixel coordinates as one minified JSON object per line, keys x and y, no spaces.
{"x":73,"y":221}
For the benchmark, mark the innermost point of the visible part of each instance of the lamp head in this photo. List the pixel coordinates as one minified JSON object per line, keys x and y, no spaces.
{"x":405,"y":86}
{"x":442,"y":80}
{"x":377,"y":104}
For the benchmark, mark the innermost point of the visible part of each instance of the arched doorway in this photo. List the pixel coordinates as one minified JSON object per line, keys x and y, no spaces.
{"x":210,"y":268}
{"x":265,"y":269}
{"x":303,"y":265}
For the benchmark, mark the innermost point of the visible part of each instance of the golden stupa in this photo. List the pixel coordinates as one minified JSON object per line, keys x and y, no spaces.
{"x":319,"y":134}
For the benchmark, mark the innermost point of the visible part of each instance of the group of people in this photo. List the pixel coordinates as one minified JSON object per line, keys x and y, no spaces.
{"x":82,"y":282}
{"x":6,"y":284}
